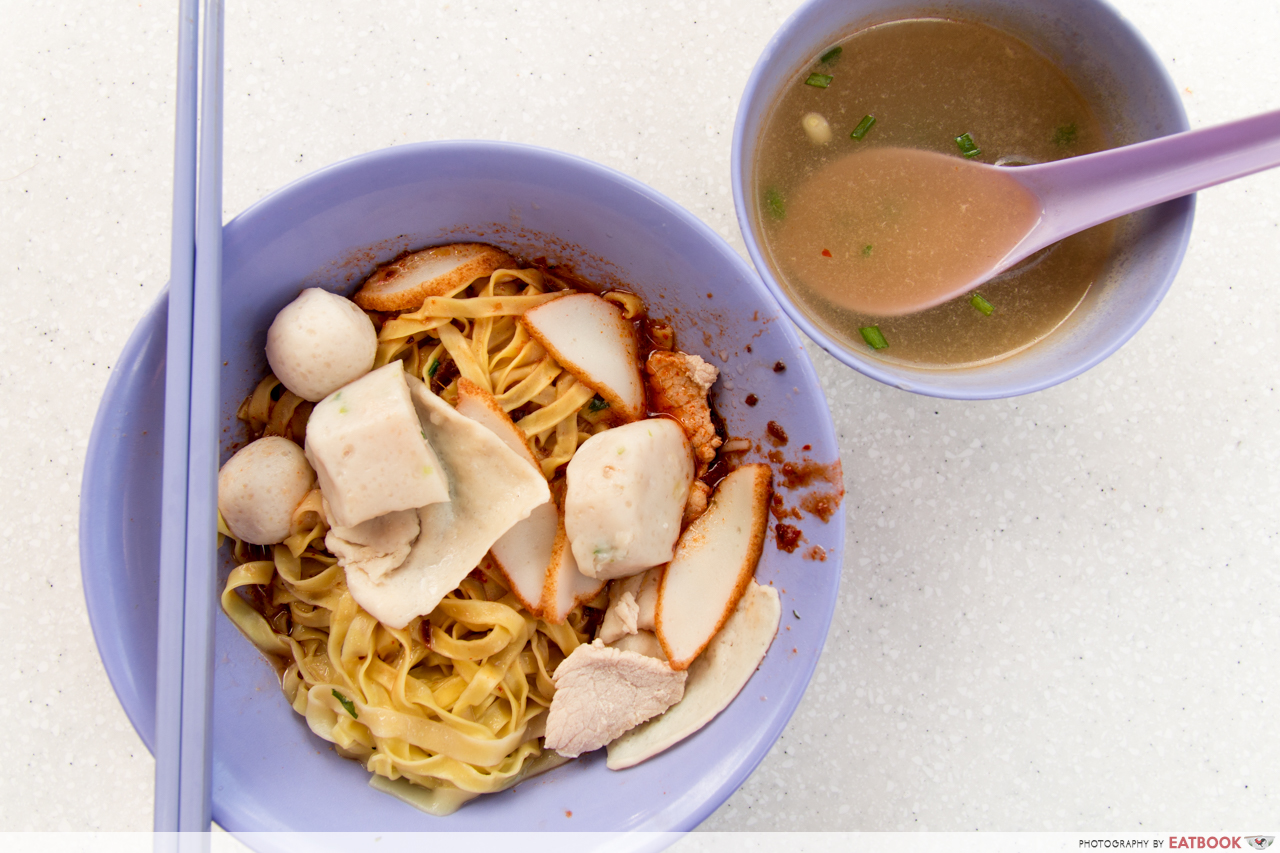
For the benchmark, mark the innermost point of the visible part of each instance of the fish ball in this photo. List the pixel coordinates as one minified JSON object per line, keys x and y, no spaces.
{"x":320,"y":342}
{"x":259,"y":488}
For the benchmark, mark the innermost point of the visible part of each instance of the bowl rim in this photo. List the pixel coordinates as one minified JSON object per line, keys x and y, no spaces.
{"x":105,"y":446}
{"x":921,"y":380}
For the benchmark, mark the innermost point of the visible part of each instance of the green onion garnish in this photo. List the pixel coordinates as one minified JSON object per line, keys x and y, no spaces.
{"x":873,"y":337}
{"x":597,"y":404}
{"x":981,"y":304}
{"x":831,"y":55}
{"x":968,"y":147}
{"x":866,"y":251}
{"x":431,"y":371}
{"x":773,"y":201}
{"x":348,"y":704}
{"x":822,"y":81}
{"x":1065,"y":135}
{"x":863,"y":126}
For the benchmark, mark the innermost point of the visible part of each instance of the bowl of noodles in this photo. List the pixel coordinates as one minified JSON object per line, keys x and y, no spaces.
{"x":566,"y":223}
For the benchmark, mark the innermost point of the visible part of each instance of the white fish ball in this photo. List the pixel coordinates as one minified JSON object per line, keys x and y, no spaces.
{"x":260,"y":486}
{"x":320,"y":342}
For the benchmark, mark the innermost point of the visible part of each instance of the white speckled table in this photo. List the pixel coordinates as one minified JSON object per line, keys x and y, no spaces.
{"x":1058,"y":611}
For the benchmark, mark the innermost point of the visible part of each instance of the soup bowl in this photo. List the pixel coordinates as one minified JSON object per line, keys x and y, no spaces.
{"x":1116,"y":73}
{"x":331,"y":229}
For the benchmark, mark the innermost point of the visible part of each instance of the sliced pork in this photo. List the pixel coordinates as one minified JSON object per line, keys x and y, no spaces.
{"x":603,"y":692}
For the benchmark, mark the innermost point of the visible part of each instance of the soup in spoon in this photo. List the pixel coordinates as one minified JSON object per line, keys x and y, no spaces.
{"x":826,"y":180}
{"x":898,"y":225}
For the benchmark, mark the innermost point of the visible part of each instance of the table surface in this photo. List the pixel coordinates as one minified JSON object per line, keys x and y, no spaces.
{"x":1056,"y":610}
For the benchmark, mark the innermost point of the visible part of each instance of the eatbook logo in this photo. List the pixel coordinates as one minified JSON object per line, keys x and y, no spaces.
{"x":1260,"y":842}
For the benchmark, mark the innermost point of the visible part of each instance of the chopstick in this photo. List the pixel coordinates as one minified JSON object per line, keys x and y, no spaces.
{"x":184,"y":688}
{"x":177,"y":410}
{"x":202,"y":474}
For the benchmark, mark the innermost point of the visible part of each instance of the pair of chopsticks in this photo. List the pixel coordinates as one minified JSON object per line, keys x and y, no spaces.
{"x":188,"y":524}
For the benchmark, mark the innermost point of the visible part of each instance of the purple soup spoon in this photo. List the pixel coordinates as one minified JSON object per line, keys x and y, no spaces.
{"x":1080,"y":192}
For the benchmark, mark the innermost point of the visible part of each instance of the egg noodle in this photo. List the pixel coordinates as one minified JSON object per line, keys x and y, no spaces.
{"x":455,"y":701}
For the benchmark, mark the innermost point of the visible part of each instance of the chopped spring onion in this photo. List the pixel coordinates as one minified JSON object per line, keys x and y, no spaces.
{"x":981,"y":304}
{"x":831,"y":55}
{"x":597,"y":404}
{"x":348,"y":704}
{"x":968,"y":147}
{"x":863,"y":126}
{"x":431,"y":371}
{"x":773,"y":201}
{"x":822,"y":81}
{"x":873,"y":337}
{"x":866,"y":251}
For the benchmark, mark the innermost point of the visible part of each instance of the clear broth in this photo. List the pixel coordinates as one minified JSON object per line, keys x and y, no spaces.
{"x":927,"y":82}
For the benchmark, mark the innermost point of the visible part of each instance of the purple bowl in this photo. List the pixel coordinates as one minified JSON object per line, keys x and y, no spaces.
{"x":330,"y":229}
{"x":1116,"y":72}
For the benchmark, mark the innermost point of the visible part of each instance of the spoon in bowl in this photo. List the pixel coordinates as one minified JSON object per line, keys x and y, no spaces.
{"x":1001,"y":215}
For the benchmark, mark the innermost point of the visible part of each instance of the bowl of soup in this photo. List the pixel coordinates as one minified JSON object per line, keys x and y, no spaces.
{"x":1014,"y":82}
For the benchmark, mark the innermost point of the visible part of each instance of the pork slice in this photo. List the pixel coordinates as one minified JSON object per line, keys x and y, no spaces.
{"x":603,"y":692}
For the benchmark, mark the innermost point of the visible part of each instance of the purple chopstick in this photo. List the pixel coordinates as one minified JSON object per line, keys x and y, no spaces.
{"x":177,"y":403}
{"x":189,"y":514}
{"x":202,"y":473}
